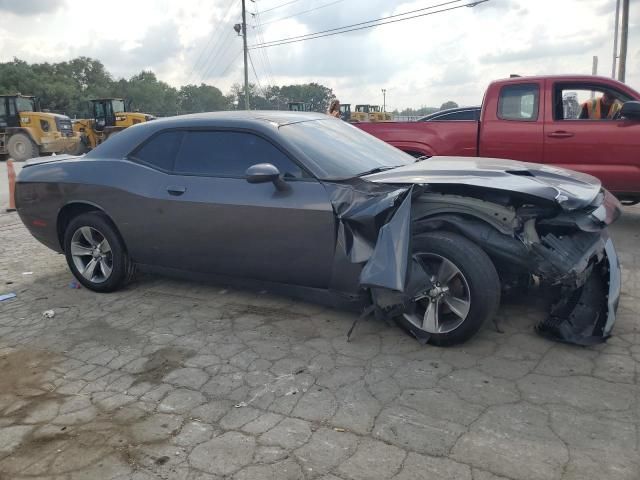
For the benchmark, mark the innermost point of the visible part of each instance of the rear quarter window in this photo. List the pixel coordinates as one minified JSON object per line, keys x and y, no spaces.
{"x":159,"y":151}
{"x":519,"y":102}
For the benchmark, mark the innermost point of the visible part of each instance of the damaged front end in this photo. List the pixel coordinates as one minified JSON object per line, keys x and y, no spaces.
{"x":566,"y":248}
{"x":570,"y":253}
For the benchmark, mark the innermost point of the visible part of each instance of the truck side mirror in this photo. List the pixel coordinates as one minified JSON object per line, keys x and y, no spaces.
{"x":631,"y":110}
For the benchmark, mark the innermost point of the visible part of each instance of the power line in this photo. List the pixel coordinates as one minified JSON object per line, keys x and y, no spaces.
{"x":376,"y":23}
{"x":264,"y":93}
{"x":265,"y":54}
{"x":280,"y":6}
{"x":219,"y":31}
{"x":300,"y":13}
{"x":233,"y":59}
{"x":220,"y":49}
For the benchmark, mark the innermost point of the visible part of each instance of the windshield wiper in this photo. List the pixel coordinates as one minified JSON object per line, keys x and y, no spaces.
{"x":375,"y":170}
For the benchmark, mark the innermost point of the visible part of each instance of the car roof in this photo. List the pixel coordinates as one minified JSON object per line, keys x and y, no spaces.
{"x":277,"y":117}
{"x":446,"y":111}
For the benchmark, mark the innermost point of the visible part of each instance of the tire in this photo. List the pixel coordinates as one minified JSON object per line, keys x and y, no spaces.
{"x":112,"y":267}
{"x":20,"y":147}
{"x":474,"y":290}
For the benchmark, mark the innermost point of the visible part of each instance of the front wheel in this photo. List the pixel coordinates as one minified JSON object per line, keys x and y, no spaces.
{"x":20,"y":147}
{"x":465,"y":290}
{"x":95,"y":253}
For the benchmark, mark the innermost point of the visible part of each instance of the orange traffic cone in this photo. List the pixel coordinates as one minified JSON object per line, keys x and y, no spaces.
{"x":12,"y":186}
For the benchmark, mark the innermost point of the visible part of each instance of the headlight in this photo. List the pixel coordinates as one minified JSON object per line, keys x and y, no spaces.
{"x":44,"y":124}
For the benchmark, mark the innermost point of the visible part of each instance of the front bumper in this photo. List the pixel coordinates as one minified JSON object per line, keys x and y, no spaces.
{"x":587,"y":300}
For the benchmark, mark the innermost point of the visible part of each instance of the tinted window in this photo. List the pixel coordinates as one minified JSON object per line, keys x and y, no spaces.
{"x":229,"y":154}
{"x":461,"y":115}
{"x":160,"y":150}
{"x":518,"y":102}
{"x":340,"y":150}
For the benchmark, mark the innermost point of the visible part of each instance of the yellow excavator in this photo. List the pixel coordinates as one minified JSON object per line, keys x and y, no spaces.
{"x":26,"y":132}
{"x":110,"y":117}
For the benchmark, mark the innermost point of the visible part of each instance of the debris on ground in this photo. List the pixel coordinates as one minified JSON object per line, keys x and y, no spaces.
{"x":48,"y":314}
{"x":7,"y":296}
{"x":75,"y":285}
{"x":27,"y":273}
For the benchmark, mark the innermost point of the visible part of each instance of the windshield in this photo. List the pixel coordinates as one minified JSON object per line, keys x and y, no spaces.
{"x":25,"y":104}
{"x":118,"y":106}
{"x":340,"y":150}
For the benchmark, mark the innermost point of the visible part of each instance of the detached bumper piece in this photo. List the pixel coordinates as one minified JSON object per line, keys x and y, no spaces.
{"x":588,"y":292}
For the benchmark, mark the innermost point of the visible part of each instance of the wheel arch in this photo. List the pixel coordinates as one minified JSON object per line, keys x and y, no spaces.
{"x":503,"y":248}
{"x":72,"y":210}
{"x":28,"y":131}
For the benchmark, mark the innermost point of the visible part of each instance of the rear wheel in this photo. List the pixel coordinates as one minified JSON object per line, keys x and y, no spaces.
{"x":20,"y":147}
{"x":95,"y":253}
{"x":465,"y":291}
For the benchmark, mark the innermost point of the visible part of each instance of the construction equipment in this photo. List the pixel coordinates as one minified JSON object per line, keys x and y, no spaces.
{"x":361,"y":114}
{"x":110,"y":116}
{"x":299,"y":107}
{"x":26,"y":132}
{"x":345,"y":112}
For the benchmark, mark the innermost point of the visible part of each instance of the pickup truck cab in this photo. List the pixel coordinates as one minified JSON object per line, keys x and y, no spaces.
{"x":539,"y":119}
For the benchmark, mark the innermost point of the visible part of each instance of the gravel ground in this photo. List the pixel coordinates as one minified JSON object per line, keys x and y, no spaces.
{"x":180,"y":380}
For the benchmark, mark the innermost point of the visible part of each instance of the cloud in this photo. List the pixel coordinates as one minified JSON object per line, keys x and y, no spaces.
{"x":159,"y":44}
{"x":29,"y":7}
{"x":539,"y":49}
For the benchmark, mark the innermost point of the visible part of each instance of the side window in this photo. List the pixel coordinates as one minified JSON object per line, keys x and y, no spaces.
{"x":12,"y":108}
{"x":586,"y":102}
{"x":160,"y":151}
{"x":229,"y":154}
{"x":519,"y":102}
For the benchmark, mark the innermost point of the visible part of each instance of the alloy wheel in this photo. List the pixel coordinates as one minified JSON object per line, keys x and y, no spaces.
{"x":91,"y":254}
{"x":445,"y":304}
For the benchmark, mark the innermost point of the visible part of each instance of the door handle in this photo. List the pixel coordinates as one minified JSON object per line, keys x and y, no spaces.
{"x":176,"y":190}
{"x":560,"y":134}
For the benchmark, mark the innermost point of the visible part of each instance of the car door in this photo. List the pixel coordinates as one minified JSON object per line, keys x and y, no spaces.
{"x":215,"y":221}
{"x":512,"y":126}
{"x":606,"y":149}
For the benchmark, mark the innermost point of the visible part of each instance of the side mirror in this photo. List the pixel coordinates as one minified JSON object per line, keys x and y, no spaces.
{"x":264,"y":173}
{"x":630,"y":110}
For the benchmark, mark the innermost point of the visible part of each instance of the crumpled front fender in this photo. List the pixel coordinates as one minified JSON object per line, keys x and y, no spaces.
{"x":585,"y":315}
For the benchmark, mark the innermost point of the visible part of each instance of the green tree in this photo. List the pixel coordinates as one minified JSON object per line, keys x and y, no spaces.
{"x":448,"y":104}
{"x":203,"y":98}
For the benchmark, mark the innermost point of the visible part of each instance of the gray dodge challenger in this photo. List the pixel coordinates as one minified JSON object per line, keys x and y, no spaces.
{"x":307,"y":205}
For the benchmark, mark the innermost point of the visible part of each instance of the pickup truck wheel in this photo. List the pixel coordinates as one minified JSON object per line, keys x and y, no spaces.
{"x":20,"y":147}
{"x":465,"y":291}
{"x":95,"y":253}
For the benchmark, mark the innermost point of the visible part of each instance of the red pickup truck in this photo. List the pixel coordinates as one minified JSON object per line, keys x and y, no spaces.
{"x":537,"y":119}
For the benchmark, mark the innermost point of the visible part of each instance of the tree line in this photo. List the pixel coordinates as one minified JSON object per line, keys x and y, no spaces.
{"x":66,"y":87}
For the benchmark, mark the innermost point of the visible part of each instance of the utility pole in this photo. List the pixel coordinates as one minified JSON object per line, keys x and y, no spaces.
{"x":594,"y":65}
{"x":615,"y":40}
{"x":624,"y":33}
{"x":246,"y":71}
{"x":384,"y":99}
{"x":241,"y":29}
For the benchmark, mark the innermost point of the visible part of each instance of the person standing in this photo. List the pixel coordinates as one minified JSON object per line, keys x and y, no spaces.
{"x":334,"y":108}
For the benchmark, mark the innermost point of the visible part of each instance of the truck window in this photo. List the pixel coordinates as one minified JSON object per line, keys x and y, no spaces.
{"x":519,"y":102}
{"x":582,"y":102}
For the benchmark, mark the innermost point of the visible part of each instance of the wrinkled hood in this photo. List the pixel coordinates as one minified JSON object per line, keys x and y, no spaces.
{"x":568,"y":188}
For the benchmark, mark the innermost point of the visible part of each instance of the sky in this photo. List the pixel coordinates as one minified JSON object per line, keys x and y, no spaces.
{"x":420,"y":62}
